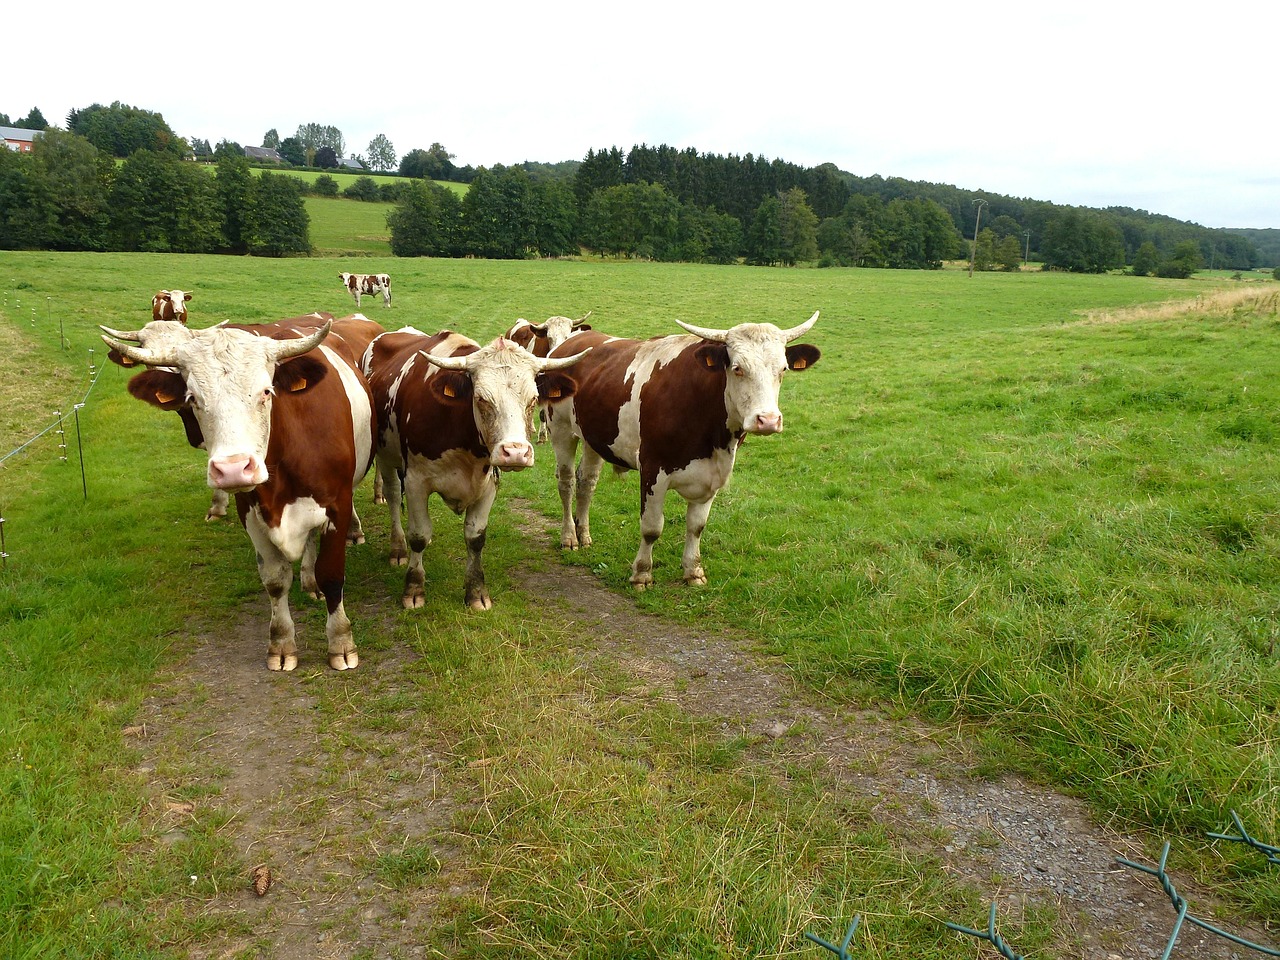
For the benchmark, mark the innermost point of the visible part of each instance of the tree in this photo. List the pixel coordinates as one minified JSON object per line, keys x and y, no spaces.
{"x":632,"y":220}
{"x":382,"y":155}
{"x":362,"y":188}
{"x":435,"y":163}
{"x":326,"y":158}
{"x":278,"y":224}
{"x":227,"y":148}
{"x":68,"y":183}
{"x":161,"y":205}
{"x":325,"y":186}
{"x":1009,"y":254}
{"x":237,"y":192}
{"x":764,"y":238}
{"x":798,"y":225}
{"x":1185,"y":261}
{"x":984,"y":250}
{"x":119,"y":130}
{"x":1146,"y":260}
{"x":555,"y":218}
{"x":425,"y":221}
{"x":271,"y":139}
{"x":498,"y":214}
{"x":200,"y":147}
{"x":292,"y":151}
{"x":1081,"y":242}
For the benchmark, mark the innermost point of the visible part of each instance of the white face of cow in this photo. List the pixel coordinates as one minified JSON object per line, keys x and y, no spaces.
{"x":229,"y":380}
{"x":755,"y":357}
{"x":504,"y":395}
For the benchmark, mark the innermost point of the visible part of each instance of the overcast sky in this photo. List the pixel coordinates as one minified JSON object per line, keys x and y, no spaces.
{"x":1145,"y":105}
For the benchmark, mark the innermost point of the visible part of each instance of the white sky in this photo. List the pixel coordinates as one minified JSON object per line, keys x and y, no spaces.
{"x":1147,"y":105}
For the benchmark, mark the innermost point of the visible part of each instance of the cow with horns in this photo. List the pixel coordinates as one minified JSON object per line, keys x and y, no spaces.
{"x":452,"y":415}
{"x":540,"y":339}
{"x":288,"y":423}
{"x":170,"y":305}
{"x":367,"y":284}
{"x":676,"y":409}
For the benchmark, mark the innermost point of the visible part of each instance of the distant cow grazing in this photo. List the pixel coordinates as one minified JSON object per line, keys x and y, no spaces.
{"x":540,"y":339}
{"x":676,"y":409}
{"x":288,"y":425}
{"x":170,"y":305}
{"x":361,"y":284}
{"x":451,"y":415}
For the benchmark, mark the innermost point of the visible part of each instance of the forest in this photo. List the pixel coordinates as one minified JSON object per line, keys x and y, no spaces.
{"x":119,"y":178}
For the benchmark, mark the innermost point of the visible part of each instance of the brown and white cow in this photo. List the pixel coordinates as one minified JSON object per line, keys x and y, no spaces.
{"x":451,"y":415}
{"x":675,"y":408}
{"x":367,"y":284}
{"x":170,"y":305}
{"x":288,"y":426}
{"x":540,"y":339}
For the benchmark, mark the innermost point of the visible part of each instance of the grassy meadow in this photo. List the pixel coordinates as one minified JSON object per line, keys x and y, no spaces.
{"x":1036,"y":506}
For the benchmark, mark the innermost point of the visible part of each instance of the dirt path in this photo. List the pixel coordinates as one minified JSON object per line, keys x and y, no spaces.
{"x":225,"y":737}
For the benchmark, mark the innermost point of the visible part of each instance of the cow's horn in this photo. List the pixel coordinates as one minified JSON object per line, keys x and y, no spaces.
{"x":800,"y":331}
{"x":559,"y":363}
{"x":448,"y":363}
{"x":577,"y":323}
{"x":161,"y":355}
{"x":284,"y":349}
{"x":122,"y":334}
{"x":706,"y":333}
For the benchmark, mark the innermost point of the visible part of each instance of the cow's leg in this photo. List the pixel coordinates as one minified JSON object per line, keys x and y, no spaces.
{"x":276,"y":572}
{"x":695,"y":521}
{"x":378,"y":495}
{"x":565,"y":445}
{"x":217,"y":505}
{"x":394,"y":498}
{"x":653,"y":493}
{"x":588,"y":475}
{"x":307,"y":572}
{"x":355,"y":533}
{"x":331,"y":575}
{"x":416,"y":492}
{"x":475,"y":529}
{"x":542,"y":426}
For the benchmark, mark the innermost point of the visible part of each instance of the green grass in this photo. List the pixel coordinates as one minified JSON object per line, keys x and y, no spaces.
{"x":987,"y":507}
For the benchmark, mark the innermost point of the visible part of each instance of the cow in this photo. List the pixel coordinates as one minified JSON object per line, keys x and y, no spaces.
{"x":288,"y":425}
{"x":359,"y":284}
{"x":451,"y":416}
{"x":540,"y":339}
{"x":676,"y":408}
{"x":170,"y":305}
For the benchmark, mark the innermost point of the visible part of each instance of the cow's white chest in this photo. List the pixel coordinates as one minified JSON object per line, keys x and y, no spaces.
{"x":702,"y":479}
{"x":459,"y":477}
{"x":298,"y":521}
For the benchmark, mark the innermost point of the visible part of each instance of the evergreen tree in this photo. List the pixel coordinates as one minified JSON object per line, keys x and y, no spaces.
{"x":236,"y":190}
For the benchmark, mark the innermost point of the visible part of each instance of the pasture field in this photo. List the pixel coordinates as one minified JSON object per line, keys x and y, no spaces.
{"x":1035,"y":510}
{"x":349,"y":228}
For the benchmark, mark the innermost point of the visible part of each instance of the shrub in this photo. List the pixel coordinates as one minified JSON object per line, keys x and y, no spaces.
{"x":325,"y":186}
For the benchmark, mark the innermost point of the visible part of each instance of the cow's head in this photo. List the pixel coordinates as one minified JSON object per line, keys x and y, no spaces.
{"x":170,"y":305}
{"x":754,"y":356}
{"x":557,"y":330}
{"x":504,"y":384}
{"x":227,"y":379}
{"x":346,"y":279}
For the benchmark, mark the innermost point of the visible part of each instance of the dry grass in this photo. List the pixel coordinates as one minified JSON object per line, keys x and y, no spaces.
{"x":1252,"y":300}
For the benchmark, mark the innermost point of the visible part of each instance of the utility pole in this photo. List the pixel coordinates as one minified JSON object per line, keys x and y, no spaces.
{"x":1026,"y":257}
{"x":979,"y":203}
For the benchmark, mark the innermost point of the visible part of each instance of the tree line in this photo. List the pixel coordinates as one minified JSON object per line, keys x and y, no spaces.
{"x":652,"y":202}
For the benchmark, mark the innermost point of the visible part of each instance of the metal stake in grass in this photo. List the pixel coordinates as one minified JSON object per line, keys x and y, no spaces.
{"x":991,"y":936}
{"x":841,"y":951}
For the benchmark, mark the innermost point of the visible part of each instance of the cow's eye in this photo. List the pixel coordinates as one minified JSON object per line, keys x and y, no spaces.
{"x":737,"y":369}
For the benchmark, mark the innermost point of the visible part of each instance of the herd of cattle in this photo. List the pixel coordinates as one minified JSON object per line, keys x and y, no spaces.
{"x":293,"y":414}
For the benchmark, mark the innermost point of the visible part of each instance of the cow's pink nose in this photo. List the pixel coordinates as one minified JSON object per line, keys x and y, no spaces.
{"x":232,"y":473}
{"x":513,"y":455}
{"x":767,"y":423}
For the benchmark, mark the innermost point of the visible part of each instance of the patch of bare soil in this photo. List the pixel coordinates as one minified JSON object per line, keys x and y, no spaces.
{"x":249,"y":741}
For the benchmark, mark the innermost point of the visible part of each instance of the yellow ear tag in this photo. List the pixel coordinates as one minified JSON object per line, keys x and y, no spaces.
{"x":300,"y":385}
{"x":165,"y":397}
{"x":800,"y":364}
{"x":552,"y":394}
{"x":708,"y":361}
{"x":449,"y":391}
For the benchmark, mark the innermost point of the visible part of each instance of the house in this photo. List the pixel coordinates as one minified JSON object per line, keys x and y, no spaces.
{"x":16,"y":138}
{"x":351,"y":163}
{"x":263,"y":153}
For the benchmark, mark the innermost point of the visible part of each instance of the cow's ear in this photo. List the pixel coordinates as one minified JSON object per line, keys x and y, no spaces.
{"x":115,"y":356}
{"x":555,"y":386}
{"x":186,"y":297}
{"x":160,"y":388}
{"x":298,"y":374}
{"x":713,"y":356}
{"x":801,"y":356}
{"x":539,"y":329}
{"x":450,"y":386}
{"x":582,"y":326}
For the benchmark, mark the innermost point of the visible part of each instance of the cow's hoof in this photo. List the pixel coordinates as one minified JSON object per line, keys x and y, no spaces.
{"x":643,"y":582}
{"x":213,"y":516}
{"x":399,"y":560}
{"x":344,"y":661}
{"x":378,"y":501}
{"x":568,"y":544}
{"x":276,"y":661}
{"x":413,"y":601}
{"x":355,"y":539}
{"x":696,"y":579}
{"x":480,"y":603}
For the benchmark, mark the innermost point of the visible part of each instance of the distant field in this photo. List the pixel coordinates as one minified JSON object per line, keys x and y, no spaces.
{"x":344,"y":228}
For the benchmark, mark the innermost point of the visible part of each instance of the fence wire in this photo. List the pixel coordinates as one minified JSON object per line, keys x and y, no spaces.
{"x":992,"y":936}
